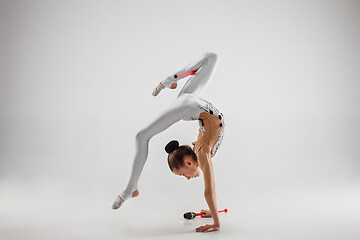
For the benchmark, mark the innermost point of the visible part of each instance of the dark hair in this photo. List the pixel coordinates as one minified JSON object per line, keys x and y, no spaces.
{"x":177,"y":154}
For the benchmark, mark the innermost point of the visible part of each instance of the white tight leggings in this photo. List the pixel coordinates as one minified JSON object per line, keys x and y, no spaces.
{"x":205,"y":66}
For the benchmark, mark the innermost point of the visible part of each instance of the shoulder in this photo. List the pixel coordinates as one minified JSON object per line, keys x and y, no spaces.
{"x":203,"y":153}
{"x":201,"y":147}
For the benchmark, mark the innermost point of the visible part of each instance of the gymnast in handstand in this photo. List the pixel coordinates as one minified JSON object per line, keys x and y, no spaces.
{"x":184,"y":160}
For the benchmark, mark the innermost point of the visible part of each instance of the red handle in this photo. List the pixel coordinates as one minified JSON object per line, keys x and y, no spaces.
{"x":198,"y":214}
{"x":185,"y":74}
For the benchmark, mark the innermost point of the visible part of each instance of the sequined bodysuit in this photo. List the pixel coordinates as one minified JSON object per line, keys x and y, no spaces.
{"x":211,"y":122}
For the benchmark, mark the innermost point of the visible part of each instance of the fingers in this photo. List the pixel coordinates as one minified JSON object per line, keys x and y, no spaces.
{"x":210,"y":229}
{"x":206,"y":213}
{"x":201,"y":228}
{"x":207,"y":228}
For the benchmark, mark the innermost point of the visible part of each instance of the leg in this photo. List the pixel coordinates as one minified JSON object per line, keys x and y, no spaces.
{"x":172,"y":114}
{"x":197,"y":83}
{"x":204,"y":66}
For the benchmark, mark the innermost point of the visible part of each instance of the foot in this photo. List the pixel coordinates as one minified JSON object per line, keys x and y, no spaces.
{"x":135,"y":193}
{"x":173,"y":85}
{"x":158,"y":89}
{"x":169,"y":82}
{"x":120,"y":200}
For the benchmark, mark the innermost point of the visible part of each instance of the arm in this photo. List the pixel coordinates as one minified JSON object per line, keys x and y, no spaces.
{"x":205,"y":163}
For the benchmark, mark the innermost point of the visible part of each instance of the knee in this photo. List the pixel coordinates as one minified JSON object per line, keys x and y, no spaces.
{"x":141,"y":136}
{"x":211,"y":55}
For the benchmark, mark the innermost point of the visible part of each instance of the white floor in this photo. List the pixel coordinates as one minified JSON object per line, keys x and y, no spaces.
{"x":50,"y":211}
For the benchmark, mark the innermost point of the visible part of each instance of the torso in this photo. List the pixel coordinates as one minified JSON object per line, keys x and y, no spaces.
{"x":211,"y":122}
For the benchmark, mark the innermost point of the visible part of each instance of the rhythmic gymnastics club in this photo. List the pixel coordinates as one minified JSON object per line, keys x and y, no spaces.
{"x":185,"y":74}
{"x":191,"y":215}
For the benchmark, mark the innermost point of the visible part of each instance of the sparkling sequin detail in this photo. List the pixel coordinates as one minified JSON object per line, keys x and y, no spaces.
{"x":208,"y":108}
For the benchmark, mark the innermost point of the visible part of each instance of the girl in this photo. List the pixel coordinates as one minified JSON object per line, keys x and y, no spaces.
{"x":184,"y":160}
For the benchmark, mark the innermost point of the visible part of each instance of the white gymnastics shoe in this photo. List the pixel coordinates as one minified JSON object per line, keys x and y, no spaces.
{"x":169,"y":82}
{"x":118,"y":202}
{"x":158,"y":89}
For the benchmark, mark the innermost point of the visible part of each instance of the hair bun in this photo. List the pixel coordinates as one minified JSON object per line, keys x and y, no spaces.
{"x":171,"y":146}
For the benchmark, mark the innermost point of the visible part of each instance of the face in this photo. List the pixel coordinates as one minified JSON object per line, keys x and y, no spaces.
{"x":190,"y":170}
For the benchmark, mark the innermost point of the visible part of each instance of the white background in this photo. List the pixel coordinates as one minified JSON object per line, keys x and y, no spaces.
{"x":76,"y":84}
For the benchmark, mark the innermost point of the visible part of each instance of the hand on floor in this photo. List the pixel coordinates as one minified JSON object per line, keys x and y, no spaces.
{"x":208,"y":228}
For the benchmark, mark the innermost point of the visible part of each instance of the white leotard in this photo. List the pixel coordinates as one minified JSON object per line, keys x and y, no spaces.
{"x":187,"y":106}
